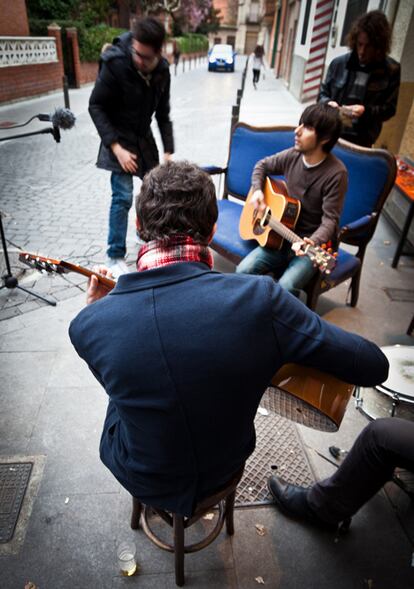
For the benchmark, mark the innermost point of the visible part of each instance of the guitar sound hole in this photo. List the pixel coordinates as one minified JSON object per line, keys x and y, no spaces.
{"x":258,"y":229}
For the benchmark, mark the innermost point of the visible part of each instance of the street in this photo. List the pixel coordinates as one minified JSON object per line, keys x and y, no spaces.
{"x":56,"y":202}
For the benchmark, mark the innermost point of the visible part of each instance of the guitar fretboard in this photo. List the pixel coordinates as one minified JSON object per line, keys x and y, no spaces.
{"x":283,"y":231}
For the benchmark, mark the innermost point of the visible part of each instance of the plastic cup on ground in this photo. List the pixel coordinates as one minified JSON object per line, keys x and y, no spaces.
{"x":126,"y":558}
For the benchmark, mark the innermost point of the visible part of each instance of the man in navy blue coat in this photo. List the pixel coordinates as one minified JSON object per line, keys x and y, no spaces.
{"x":185,"y":353}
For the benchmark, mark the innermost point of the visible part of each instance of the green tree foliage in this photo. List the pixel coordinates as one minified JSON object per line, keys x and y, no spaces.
{"x":93,"y":40}
{"x":51,"y":9}
{"x":90,"y":12}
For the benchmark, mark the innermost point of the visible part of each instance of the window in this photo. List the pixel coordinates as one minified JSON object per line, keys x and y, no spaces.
{"x":354,"y":9}
{"x":305,"y":22}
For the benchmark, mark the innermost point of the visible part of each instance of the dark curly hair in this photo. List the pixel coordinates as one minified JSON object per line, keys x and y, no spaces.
{"x":176,"y":197}
{"x":378,"y":30}
{"x":325,"y":120}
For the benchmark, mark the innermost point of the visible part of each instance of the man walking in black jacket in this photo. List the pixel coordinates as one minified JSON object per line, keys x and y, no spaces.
{"x":133,"y":84}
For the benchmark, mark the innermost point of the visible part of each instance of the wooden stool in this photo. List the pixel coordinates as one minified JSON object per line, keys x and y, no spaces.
{"x":224,"y":498}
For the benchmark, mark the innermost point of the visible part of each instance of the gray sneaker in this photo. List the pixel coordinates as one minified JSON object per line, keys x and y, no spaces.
{"x":117,"y":266}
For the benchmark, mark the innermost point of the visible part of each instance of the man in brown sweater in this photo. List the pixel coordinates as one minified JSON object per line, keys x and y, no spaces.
{"x":318,"y":180}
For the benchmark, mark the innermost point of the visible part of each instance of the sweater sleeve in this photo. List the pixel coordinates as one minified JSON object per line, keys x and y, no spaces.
{"x":332,"y":203}
{"x":304,"y":338}
{"x":272,"y":165}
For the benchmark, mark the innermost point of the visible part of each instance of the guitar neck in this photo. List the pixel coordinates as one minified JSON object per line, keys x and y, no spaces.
{"x":283,"y":231}
{"x":108,"y":282}
{"x":61,"y":267}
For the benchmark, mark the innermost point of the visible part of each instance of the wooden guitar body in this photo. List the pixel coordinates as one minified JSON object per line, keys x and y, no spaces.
{"x":307,"y":396}
{"x":280,"y":206}
{"x":269,"y":227}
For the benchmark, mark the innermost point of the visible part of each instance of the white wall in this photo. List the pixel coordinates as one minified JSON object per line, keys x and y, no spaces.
{"x":334,"y":47}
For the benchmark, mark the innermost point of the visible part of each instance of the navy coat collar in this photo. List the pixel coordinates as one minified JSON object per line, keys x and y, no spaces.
{"x":159,"y":277}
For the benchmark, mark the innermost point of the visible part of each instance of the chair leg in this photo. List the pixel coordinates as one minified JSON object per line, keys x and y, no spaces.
{"x":355,"y":288}
{"x":178,"y":527}
{"x":230,"y":512}
{"x":136,"y":513}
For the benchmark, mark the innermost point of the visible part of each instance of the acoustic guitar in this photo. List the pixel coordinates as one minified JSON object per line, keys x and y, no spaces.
{"x":299,"y":393}
{"x":53,"y":266}
{"x":271,"y":226}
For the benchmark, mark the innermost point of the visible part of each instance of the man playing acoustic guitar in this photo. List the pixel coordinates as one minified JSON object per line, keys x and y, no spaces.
{"x":185,"y":353}
{"x":318,"y":180}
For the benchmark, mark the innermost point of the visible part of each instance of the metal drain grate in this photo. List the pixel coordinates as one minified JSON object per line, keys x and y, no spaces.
{"x":277,"y":444}
{"x":401,"y":295}
{"x":14,"y":478}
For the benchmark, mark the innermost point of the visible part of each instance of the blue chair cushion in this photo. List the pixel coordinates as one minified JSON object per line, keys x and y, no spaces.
{"x":346,"y":266}
{"x":227,"y":236}
{"x":247,"y":147}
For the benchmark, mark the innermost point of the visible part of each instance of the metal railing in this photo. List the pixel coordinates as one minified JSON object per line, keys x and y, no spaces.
{"x":15,"y":51}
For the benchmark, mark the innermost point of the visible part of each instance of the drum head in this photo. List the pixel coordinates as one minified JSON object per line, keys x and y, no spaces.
{"x":401,"y":375}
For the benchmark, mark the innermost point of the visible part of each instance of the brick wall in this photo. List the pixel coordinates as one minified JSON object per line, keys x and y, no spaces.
{"x":13,"y":21}
{"x":88,"y":72}
{"x":29,"y":80}
{"x":24,"y":81}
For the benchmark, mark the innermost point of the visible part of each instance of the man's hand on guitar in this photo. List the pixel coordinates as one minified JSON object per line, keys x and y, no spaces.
{"x":258,"y":200}
{"x":299,"y":246}
{"x":96,"y":290}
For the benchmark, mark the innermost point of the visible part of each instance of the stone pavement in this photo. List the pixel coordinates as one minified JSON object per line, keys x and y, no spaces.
{"x":52,"y":409}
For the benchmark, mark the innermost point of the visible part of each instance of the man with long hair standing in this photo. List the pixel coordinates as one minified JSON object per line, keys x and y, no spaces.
{"x":365,"y":82}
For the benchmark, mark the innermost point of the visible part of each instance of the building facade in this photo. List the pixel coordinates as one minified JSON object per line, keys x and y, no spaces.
{"x":28,"y":65}
{"x":307,"y":35}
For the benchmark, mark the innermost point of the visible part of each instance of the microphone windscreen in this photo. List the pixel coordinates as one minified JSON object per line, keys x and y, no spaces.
{"x":63,"y":118}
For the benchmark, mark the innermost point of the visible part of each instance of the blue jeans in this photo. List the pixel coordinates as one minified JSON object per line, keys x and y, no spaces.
{"x":122,"y":191}
{"x":293,"y":272}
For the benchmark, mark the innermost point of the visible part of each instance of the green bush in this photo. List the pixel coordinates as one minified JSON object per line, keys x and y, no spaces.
{"x":90,"y":39}
{"x":93,"y":40}
{"x":38,"y":26}
{"x":192,"y":43}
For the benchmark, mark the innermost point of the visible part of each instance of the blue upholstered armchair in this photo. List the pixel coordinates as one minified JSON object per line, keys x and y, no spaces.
{"x":371,"y":177}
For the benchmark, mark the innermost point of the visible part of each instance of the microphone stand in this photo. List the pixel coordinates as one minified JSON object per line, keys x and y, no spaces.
{"x":10,"y":281}
{"x":51,"y":130}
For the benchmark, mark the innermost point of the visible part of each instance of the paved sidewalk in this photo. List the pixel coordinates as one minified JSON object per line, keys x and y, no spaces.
{"x":52,"y":409}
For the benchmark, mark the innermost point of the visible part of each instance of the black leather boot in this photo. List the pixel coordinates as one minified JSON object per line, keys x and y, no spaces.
{"x":293,"y":500}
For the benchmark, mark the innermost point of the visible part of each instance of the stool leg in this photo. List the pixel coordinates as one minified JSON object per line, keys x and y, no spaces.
{"x":230,"y":512}
{"x":178,"y":526}
{"x":136,"y":513}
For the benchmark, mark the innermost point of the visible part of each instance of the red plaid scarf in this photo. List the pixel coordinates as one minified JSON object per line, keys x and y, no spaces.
{"x":177,"y":248}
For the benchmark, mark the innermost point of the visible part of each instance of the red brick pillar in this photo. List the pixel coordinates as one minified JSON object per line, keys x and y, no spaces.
{"x":72,"y":35}
{"x":53,"y":30}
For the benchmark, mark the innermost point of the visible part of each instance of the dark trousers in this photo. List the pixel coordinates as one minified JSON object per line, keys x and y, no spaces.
{"x":381,"y":446}
{"x":256,"y":76}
